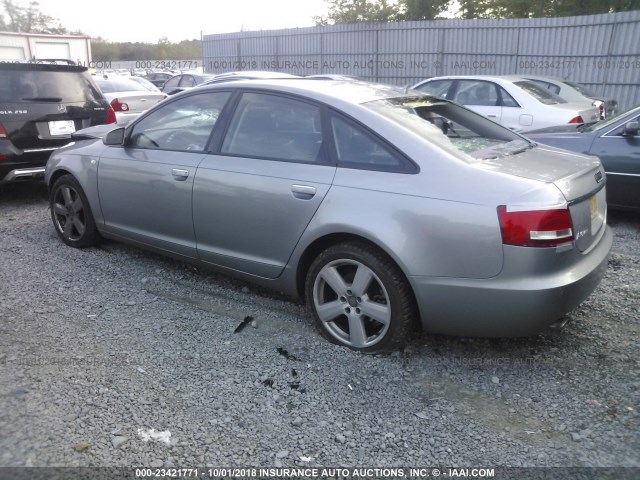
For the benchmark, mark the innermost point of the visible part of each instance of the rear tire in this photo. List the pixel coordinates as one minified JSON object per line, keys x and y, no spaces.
{"x":71,"y":214}
{"x":359,"y":298}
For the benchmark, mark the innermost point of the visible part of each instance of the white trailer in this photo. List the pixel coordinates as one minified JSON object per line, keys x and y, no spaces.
{"x":35,"y":46}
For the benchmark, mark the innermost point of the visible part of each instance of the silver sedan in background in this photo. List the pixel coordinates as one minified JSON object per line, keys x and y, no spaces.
{"x":379,"y":208}
{"x":127,"y":97}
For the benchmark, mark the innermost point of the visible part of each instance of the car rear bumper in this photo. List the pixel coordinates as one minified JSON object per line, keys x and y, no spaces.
{"x":24,"y":169}
{"x":512,"y":304}
{"x":22,"y":164}
{"x":34,"y":173}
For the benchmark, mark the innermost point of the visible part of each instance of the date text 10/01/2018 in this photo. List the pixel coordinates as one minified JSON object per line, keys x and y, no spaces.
{"x":315,"y":472}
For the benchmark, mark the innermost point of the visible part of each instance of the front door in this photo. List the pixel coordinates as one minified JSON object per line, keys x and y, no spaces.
{"x":146,"y":186}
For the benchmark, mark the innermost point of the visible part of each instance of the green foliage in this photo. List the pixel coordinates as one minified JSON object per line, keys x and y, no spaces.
{"x":541,"y":8}
{"x":358,"y":11}
{"x":15,"y":17}
{"x":163,"y":50}
{"x":422,"y":9}
{"x":355,"y":11}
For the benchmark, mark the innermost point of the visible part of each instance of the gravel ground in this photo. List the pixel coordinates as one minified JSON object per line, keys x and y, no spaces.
{"x":99,"y":346}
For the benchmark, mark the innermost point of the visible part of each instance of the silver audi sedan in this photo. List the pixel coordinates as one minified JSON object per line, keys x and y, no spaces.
{"x":381,"y":209}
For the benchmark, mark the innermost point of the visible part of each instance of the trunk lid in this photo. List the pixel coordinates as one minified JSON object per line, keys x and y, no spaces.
{"x":580,"y":178}
{"x":588,"y":113}
{"x":138,"y":102}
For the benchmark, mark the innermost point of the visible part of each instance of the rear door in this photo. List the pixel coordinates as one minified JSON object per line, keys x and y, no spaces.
{"x":145,"y":187}
{"x":253,"y":200}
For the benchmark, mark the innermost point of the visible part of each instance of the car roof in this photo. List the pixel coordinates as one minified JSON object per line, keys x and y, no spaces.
{"x":354,"y":92}
{"x":255,"y":74}
{"x":509,"y":78}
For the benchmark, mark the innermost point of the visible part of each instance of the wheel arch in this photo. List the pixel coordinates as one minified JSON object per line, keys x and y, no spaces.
{"x":55,"y":176}
{"x":326,"y":241}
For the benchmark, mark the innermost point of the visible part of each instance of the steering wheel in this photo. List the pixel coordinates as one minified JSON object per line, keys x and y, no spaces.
{"x":183,"y":140}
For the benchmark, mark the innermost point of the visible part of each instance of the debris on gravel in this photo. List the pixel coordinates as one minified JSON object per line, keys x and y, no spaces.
{"x":100,"y":344}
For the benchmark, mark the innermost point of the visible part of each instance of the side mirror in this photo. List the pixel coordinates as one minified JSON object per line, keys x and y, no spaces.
{"x":114,"y":137}
{"x":630,"y":129}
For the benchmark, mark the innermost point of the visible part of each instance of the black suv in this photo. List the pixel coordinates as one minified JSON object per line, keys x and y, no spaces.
{"x":41,"y":104}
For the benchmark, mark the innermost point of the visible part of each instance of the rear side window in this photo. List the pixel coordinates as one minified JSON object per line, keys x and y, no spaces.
{"x":275,"y":127}
{"x":24,"y":86}
{"x":356,"y":147}
{"x":188,"y":81}
{"x":172,"y":82}
{"x":507,"y":100}
{"x":474,"y":92}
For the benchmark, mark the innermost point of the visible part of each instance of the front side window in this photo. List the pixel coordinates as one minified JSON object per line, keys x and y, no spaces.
{"x":606,"y":124}
{"x":275,"y":127}
{"x":618,"y":132}
{"x":185,"y":124}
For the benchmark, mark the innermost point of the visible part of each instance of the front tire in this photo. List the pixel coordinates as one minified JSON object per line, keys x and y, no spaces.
{"x":71,"y":214}
{"x":359,"y":298}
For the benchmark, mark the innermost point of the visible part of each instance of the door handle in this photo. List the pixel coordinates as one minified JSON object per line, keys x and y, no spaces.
{"x":491,"y":115}
{"x":303,"y":192}
{"x":180,"y":174}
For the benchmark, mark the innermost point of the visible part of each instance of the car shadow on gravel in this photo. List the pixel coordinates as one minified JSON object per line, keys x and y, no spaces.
{"x":23,"y":192}
{"x":628,"y":218}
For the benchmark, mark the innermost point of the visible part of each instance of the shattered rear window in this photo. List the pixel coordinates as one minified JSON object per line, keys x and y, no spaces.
{"x":452,"y":127}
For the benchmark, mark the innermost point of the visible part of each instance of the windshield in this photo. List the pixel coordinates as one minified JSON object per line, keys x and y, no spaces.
{"x":540,"y":93}
{"x":454,"y":128}
{"x":606,"y":123}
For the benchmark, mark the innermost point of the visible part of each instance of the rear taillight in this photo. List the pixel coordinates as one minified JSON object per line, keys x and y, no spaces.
{"x":577,"y":119}
{"x":118,"y":106}
{"x":3,"y":158}
{"x":535,"y":228}
{"x":111,"y":116}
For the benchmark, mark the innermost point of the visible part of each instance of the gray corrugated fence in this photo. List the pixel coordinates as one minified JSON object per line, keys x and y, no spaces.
{"x":600,"y":51}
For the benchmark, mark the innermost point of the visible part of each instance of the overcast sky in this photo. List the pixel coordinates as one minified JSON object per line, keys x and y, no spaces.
{"x":149,"y":20}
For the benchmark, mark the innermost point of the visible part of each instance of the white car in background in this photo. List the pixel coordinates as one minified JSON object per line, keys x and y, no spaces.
{"x":512,"y":101}
{"x":128,"y":98}
{"x":575,"y":93}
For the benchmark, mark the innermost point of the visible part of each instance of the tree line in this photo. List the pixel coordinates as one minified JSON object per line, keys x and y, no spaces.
{"x":355,"y":11}
{"x":18,"y":17}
